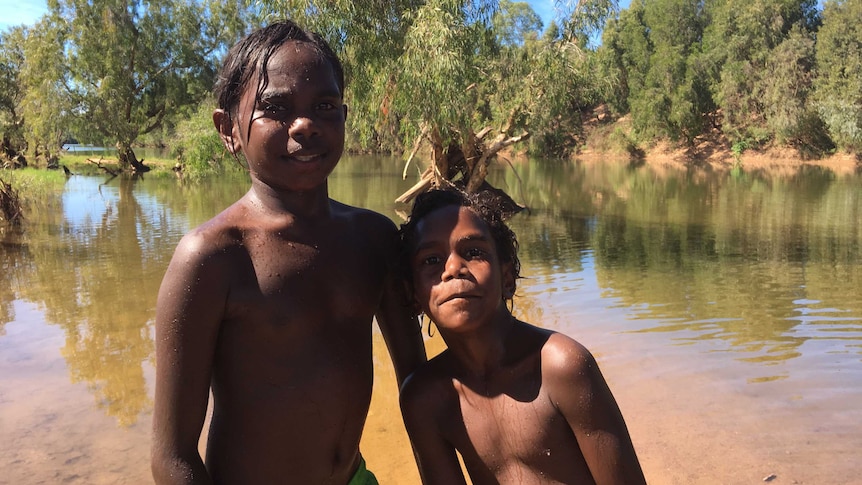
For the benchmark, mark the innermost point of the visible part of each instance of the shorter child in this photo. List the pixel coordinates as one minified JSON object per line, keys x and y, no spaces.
{"x":521,"y":404}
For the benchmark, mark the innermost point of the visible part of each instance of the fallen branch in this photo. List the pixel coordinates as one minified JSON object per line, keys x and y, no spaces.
{"x":98,"y":163}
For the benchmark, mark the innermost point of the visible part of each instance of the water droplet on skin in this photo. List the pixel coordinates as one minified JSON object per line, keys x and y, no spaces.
{"x":547,"y":452}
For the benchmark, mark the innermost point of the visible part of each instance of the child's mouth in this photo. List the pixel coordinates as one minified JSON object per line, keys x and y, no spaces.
{"x":306,"y":158}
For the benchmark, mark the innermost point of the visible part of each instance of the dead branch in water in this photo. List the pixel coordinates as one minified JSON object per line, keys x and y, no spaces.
{"x":107,"y":170}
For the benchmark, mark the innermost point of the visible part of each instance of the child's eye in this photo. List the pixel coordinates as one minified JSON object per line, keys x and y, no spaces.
{"x":430,"y":260}
{"x":271,"y":108}
{"x":474,"y":253}
{"x":325,"y":106}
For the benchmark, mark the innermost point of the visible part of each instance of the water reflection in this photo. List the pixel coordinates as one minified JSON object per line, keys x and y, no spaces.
{"x":733,"y":261}
{"x":763,"y":269}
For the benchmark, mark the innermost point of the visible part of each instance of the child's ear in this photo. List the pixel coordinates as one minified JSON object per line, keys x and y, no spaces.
{"x":344,"y":107}
{"x":225,"y":127}
{"x":508,"y":281}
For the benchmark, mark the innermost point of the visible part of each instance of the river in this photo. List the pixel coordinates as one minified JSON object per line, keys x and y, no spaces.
{"x":724,"y":310}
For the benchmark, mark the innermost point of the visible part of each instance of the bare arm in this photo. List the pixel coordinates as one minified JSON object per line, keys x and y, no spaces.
{"x":579,"y":390}
{"x":435,"y":456}
{"x":397,"y":321}
{"x":188,"y":313}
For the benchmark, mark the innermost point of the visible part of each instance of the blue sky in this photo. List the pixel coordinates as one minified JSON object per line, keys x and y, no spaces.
{"x":17,"y":12}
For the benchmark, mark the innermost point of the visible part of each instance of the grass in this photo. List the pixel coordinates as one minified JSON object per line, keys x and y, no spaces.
{"x":80,"y":164}
{"x":27,"y":188}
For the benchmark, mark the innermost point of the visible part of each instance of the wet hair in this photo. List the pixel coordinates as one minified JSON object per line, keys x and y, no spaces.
{"x":251,"y":56}
{"x":490,"y":208}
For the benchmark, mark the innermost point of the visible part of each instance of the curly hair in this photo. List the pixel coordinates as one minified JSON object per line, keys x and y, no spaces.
{"x":486,"y":204}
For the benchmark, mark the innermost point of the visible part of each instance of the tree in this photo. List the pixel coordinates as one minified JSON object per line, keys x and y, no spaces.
{"x":12,"y":142}
{"x":667,"y":105}
{"x":786,"y":94}
{"x":46,"y":105}
{"x":839,"y":64}
{"x":427,"y":72}
{"x":127,"y":65}
{"x":624,"y":56}
{"x":515,"y":22}
{"x":738,"y":43}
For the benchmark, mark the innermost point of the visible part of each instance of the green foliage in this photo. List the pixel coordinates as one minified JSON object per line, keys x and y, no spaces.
{"x":653,"y":49}
{"x":566,"y":86}
{"x":22,"y":190}
{"x":624,"y":56}
{"x":515,"y":22}
{"x":121,"y":68}
{"x":839,"y":64}
{"x":199,"y":148}
{"x":452,"y":67}
{"x":11,"y":94}
{"x":46,"y":105}
{"x":738,"y":43}
{"x":119,"y":73}
{"x":785,"y":93}
{"x":439,"y":64}
{"x":584,"y":19}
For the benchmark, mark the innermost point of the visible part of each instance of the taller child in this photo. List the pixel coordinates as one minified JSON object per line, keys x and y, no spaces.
{"x":270,"y":303}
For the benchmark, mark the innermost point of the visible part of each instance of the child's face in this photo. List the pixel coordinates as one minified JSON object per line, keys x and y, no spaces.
{"x":296,"y":132}
{"x":457,"y":277}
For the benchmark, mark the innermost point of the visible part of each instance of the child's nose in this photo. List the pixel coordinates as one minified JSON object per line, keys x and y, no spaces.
{"x":303,"y":127}
{"x":454,"y":268}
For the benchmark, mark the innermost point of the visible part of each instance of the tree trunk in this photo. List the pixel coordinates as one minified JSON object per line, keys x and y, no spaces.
{"x":13,"y":157}
{"x":127,"y":159}
{"x":470,"y":161}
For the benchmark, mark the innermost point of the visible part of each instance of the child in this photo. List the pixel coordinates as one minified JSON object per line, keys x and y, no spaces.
{"x":270,"y":303}
{"x":521,"y":404}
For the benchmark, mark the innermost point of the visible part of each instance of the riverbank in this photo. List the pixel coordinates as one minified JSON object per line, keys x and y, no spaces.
{"x":712,"y":152}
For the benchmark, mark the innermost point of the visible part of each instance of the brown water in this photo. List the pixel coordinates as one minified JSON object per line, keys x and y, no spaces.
{"x":725,"y":312}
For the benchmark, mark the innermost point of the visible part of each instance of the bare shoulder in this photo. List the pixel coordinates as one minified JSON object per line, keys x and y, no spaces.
{"x":215,"y":235}
{"x":568,"y":366}
{"x":207,"y":250}
{"x":367,"y":223}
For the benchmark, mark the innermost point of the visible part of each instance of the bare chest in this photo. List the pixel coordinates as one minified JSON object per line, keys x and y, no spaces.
{"x":284,"y":280}
{"x":505,"y":428}
{"x":513,"y":435}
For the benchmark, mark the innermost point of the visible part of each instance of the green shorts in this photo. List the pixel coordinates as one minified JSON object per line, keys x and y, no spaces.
{"x":362,"y":475}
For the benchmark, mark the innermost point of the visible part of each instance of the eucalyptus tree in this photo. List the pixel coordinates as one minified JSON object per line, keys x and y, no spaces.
{"x":839,"y":66}
{"x":738,"y":42}
{"x":786,"y":94}
{"x":12,"y":144}
{"x":674,"y":81}
{"x":430,"y":72}
{"x":515,"y":22}
{"x":46,"y":106}
{"x":126,"y":65}
{"x":624,"y":56}
{"x":653,"y":52}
